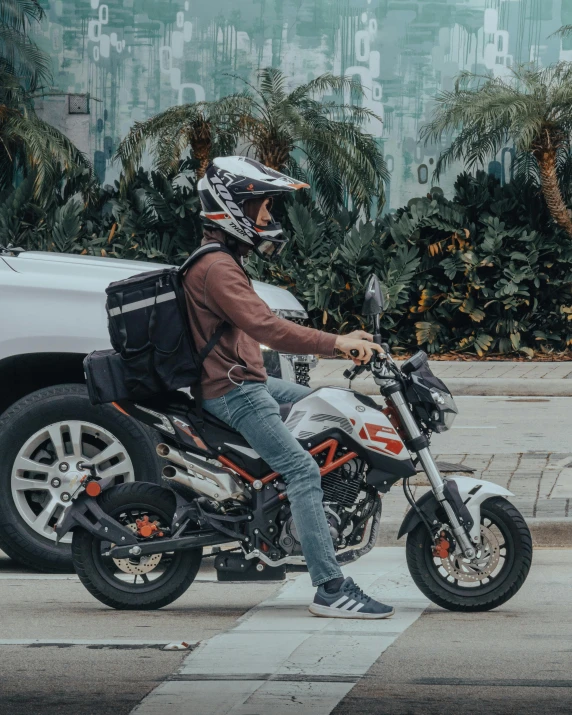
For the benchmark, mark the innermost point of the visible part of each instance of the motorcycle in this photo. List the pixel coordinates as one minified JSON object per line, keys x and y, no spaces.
{"x":139,"y":545}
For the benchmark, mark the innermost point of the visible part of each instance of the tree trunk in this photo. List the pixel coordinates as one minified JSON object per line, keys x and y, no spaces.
{"x":274,"y":154}
{"x":201,"y":144}
{"x":546,"y":159}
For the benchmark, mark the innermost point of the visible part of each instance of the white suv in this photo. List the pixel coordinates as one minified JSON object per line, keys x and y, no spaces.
{"x":53,"y":314}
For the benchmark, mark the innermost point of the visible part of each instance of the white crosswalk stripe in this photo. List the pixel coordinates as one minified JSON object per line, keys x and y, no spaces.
{"x":281,"y":660}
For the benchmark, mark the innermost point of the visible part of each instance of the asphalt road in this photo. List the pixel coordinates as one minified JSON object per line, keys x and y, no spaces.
{"x":124,"y":660}
{"x":517,"y":659}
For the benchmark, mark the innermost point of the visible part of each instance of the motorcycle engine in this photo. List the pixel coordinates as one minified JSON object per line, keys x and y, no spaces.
{"x":289,"y":536}
{"x":341,"y":489}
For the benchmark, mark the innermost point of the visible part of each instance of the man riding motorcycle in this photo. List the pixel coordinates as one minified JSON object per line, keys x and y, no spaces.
{"x":236,"y":195}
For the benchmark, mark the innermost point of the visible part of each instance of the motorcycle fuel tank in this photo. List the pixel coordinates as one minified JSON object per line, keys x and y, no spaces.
{"x":335,"y":407}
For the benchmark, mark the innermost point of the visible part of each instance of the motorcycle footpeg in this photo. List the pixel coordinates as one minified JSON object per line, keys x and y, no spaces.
{"x":234,"y":567}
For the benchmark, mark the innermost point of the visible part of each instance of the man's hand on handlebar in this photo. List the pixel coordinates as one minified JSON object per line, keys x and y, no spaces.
{"x":358,"y":346}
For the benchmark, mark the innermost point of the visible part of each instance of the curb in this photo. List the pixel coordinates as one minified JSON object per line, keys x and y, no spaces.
{"x":546,"y":533}
{"x":468,"y":386}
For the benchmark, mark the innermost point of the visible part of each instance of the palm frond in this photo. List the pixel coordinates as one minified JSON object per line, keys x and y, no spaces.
{"x":16,"y":13}
{"x":46,"y":149}
{"x":272,"y":84}
{"x":26,"y":58}
{"x":563,"y":31}
{"x":328,"y":82}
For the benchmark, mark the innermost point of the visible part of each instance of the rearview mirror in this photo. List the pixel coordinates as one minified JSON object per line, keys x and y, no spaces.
{"x":375,"y":301}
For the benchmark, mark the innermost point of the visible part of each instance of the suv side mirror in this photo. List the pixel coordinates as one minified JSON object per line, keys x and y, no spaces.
{"x":374,"y":302}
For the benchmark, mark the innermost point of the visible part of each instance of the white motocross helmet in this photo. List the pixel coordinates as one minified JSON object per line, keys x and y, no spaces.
{"x":227,"y":184}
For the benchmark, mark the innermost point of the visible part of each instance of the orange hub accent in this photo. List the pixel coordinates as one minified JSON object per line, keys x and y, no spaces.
{"x":93,"y":489}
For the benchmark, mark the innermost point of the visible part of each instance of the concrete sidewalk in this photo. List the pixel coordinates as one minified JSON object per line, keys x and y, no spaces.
{"x":552,"y":379}
{"x":541,"y":483}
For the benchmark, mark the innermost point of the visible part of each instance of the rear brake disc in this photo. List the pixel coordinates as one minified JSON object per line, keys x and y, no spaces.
{"x":138,"y":565}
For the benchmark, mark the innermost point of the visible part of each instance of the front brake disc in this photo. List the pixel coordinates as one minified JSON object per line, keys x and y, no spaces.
{"x":479,"y":568}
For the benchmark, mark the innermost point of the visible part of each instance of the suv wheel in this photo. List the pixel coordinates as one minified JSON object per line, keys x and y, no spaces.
{"x":43,"y":436}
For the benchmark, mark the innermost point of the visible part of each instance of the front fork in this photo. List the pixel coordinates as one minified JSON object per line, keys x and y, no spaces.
{"x":431,"y":470}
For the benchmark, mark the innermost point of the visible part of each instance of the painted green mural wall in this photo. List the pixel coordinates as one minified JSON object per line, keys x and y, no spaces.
{"x":138,"y":57}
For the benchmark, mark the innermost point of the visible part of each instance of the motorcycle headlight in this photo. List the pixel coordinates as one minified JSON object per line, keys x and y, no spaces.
{"x":444,"y":410}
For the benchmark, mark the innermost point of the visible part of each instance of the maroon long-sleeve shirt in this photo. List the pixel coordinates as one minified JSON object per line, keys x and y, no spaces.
{"x":217,"y":290}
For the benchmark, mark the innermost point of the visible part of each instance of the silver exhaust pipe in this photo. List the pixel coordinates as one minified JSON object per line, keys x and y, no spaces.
{"x":203,"y":477}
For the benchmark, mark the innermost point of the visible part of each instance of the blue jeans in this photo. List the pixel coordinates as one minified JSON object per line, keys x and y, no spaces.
{"x":252,"y":409}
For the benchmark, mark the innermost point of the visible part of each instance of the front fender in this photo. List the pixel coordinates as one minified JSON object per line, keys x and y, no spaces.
{"x":473,"y":493}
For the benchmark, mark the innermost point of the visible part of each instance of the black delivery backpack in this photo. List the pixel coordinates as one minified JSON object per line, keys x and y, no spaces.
{"x":153,"y":350}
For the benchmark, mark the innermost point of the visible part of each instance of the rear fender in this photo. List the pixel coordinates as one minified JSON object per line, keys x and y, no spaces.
{"x":473,"y":492}
{"x":86,"y":513}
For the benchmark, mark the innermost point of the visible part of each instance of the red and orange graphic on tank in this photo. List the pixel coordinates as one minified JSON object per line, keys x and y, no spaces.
{"x":380,"y":433}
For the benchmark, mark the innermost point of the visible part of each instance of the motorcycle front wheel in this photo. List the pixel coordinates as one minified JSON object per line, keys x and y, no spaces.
{"x":138,"y":583}
{"x":492,"y":578}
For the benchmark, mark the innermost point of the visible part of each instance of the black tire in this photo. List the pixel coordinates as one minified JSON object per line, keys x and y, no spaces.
{"x":34,"y":412}
{"x":486,"y":596}
{"x":99,"y":574}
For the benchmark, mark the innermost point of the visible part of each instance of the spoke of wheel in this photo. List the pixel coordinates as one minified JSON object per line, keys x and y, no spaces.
{"x":75,"y":432}
{"x":114,"y":471}
{"x":41,"y":521}
{"x":21,"y":484}
{"x":25,"y":464}
{"x":112,"y":450}
{"x":145,"y":578}
{"x":56,"y":438}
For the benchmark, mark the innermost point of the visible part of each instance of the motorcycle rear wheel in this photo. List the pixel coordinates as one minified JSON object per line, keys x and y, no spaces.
{"x":456,"y":584}
{"x":144,"y":583}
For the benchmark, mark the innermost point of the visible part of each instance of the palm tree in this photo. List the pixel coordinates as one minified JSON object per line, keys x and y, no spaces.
{"x":207,"y":128}
{"x":294,"y":132}
{"x":320,"y":141}
{"x":533,"y":109}
{"x":28,"y":144}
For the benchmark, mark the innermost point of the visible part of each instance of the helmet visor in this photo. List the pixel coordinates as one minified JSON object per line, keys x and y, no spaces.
{"x":270,"y":249}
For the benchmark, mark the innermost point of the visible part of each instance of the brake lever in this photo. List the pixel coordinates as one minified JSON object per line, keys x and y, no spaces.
{"x":356,"y":370}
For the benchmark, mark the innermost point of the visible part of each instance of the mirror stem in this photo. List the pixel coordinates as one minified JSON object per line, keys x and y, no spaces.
{"x":376,"y":329}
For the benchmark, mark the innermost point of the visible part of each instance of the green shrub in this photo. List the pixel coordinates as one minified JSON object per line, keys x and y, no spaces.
{"x":484,"y":272}
{"x":479,"y":273}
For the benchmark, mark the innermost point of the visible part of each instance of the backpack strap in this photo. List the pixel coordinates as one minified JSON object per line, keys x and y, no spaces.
{"x":197,"y":390}
{"x":213,"y":247}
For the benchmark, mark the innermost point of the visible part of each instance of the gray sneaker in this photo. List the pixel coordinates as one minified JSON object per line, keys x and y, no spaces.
{"x":349,"y":602}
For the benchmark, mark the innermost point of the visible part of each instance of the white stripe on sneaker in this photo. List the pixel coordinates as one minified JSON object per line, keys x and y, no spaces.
{"x":339,"y":602}
{"x":357,"y":607}
{"x":348,"y":605}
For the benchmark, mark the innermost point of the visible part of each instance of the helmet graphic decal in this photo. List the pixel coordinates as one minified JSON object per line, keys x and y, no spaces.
{"x":231,"y":181}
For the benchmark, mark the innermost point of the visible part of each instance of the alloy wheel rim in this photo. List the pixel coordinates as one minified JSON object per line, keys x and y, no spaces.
{"x":45,"y":471}
{"x":139,"y":579}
